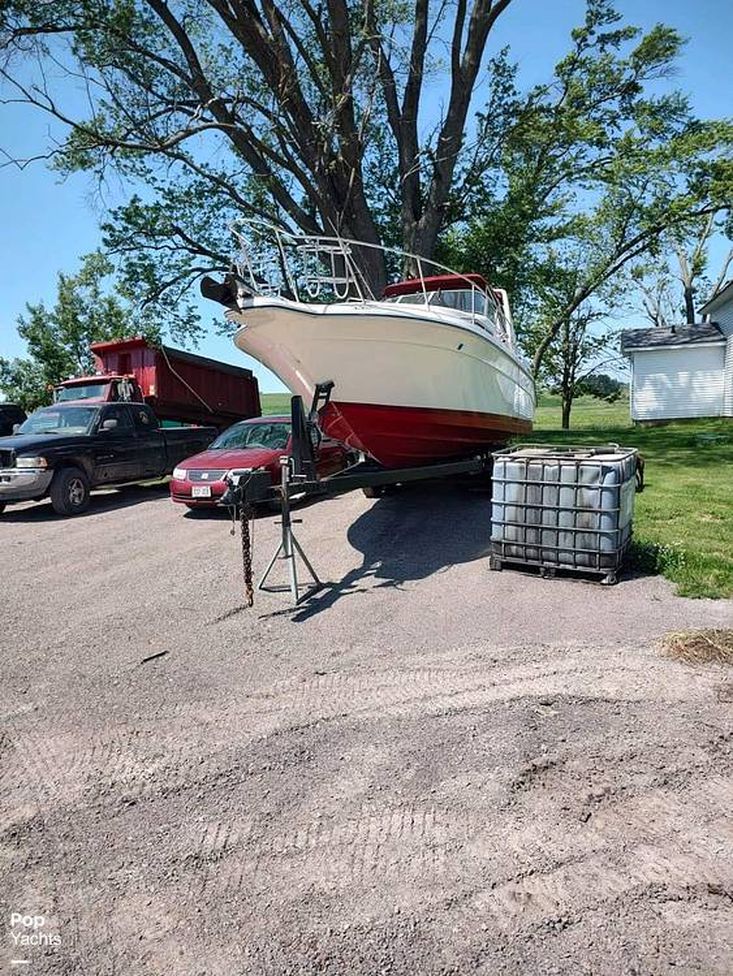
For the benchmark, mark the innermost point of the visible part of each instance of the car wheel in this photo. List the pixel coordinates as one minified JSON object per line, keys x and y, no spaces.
{"x":70,"y":492}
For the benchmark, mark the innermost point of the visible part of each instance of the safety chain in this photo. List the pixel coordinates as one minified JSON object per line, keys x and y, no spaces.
{"x":245,"y":514}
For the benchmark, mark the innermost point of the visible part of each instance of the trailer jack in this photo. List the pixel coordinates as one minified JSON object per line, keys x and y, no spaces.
{"x":298,"y":477}
{"x":289,"y":549}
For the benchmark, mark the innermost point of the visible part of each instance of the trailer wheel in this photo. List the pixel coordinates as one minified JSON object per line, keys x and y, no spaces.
{"x":70,"y":492}
{"x":495,"y":564}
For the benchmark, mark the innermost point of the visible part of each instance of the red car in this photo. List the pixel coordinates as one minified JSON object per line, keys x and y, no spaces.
{"x":257,"y":443}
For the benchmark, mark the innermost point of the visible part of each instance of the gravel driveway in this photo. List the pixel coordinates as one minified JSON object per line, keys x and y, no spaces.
{"x":428,"y":768}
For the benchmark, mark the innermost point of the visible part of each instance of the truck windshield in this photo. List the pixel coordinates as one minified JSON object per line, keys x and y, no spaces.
{"x":272,"y":435}
{"x":82,"y":391}
{"x":64,"y":420}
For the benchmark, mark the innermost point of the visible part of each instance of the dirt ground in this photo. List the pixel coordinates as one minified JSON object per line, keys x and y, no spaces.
{"x":428,"y":768}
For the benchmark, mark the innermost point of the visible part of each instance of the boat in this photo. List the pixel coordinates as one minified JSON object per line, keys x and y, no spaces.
{"x":427,"y":371}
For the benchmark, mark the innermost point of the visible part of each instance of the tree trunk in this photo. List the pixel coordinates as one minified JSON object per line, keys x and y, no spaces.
{"x":689,"y":305}
{"x":567,"y":383}
{"x":567,"y":404}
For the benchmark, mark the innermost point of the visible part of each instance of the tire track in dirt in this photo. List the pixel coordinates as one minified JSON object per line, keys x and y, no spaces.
{"x":369,"y":844}
{"x":359,"y":695}
{"x":68,"y":770}
{"x":658,"y":838}
{"x":60,"y":900}
{"x":576,"y":887}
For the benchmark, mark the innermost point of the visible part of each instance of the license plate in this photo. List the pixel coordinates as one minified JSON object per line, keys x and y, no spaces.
{"x":201,"y":491}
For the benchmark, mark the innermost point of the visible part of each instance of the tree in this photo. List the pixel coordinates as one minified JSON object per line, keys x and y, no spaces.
{"x":593,"y":168}
{"x":602,"y":386}
{"x":677,"y":281}
{"x":316,"y":117}
{"x":573,"y":358}
{"x":58,"y":339}
{"x":584,"y":343}
{"x":303,"y":106}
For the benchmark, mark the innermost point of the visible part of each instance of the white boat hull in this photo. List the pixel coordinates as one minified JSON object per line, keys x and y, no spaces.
{"x":409,"y":386}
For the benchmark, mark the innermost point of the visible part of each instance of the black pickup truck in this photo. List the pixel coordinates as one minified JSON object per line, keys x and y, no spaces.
{"x":65,"y":450}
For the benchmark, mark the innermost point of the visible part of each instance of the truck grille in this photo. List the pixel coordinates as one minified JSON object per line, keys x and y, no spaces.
{"x":205,"y":476}
{"x":7,"y":459}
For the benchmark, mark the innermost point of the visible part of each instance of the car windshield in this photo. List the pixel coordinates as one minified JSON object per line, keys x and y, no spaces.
{"x":55,"y":420}
{"x":271,"y":435}
{"x":82,"y":391}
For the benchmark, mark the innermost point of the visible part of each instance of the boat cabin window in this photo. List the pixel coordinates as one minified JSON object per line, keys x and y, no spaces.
{"x":471,"y":301}
{"x":463,"y":299}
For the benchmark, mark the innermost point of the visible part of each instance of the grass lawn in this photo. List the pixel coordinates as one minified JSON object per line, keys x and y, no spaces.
{"x":276,"y":403}
{"x":683,"y":526}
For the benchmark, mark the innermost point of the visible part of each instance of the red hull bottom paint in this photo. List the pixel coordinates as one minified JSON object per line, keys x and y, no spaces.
{"x":403,"y":437}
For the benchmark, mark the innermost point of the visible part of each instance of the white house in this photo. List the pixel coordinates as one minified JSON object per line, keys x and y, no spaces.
{"x":686,"y":370}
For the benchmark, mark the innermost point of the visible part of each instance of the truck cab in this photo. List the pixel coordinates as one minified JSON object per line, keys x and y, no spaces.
{"x":102,"y":388}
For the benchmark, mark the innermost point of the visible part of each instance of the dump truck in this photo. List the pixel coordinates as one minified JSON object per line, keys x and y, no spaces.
{"x":179,"y":386}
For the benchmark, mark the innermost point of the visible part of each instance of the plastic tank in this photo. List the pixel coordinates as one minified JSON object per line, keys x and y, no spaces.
{"x":563,"y":507}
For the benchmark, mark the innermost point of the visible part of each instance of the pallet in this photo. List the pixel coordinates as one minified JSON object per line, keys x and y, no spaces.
{"x":608,"y":577}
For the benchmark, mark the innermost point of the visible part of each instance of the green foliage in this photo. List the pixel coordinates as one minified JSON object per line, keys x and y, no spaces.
{"x":306,"y":115}
{"x":602,"y":386}
{"x":590,"y":170}
{"x":317,"y":117}
{"x":682,"y":524}
{"x":58,"y":338}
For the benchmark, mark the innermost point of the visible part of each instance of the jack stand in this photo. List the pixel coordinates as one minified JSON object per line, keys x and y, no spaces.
{"x":289,"y":547}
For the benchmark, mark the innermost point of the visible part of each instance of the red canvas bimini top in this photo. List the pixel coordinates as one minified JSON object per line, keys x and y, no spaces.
{"x":435,"y":283}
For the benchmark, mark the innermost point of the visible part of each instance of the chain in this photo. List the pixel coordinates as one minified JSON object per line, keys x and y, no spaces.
{"x":244,"y":517}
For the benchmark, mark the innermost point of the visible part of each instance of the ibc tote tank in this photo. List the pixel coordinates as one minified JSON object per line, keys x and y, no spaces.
{"x":563,"y":507}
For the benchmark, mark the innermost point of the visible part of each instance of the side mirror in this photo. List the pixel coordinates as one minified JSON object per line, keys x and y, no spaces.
{"x":109,"y":424}
{"x":16,"y":428}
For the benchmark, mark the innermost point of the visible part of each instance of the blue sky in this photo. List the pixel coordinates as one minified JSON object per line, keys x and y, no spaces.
{"x":47,"y":223}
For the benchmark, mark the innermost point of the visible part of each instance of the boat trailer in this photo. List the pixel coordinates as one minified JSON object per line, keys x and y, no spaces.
{"x":250,"y":487}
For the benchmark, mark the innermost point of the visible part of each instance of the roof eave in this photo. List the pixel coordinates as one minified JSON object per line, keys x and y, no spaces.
{"x":720,"y":299}
{"x":675,"y":345}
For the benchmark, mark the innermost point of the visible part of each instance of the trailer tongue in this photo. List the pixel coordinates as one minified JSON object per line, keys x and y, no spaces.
{"x":178,"y":385}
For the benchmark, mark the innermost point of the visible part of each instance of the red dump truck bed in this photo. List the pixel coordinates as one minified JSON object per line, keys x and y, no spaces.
{"x":181,"y":386}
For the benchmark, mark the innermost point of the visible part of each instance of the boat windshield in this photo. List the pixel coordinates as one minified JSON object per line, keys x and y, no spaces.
{"x":468,"y":300}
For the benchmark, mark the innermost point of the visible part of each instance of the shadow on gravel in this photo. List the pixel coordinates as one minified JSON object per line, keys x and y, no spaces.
{"x":104,"y":501}
{"x":410,"y":535}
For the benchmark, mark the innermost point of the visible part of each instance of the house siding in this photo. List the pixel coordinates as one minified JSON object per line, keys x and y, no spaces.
{"x":724,"y":319}
{"x":671,"y":383}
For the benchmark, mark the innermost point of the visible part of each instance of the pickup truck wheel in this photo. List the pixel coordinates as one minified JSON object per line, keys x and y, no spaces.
{"x":70,"y":492}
